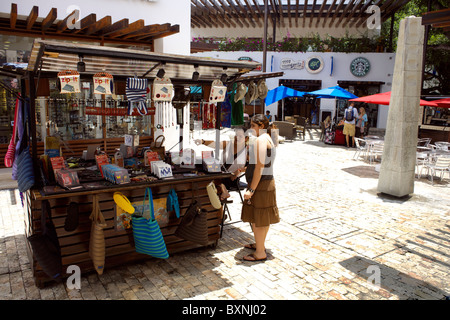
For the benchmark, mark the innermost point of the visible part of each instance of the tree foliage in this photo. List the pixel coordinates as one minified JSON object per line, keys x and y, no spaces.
{"x":437,"y":61}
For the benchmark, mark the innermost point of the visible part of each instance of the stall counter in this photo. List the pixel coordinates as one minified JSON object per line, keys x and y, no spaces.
{"x":119,"y":244}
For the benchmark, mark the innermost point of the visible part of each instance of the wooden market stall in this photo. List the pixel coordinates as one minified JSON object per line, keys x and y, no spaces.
{"x":47,"y":59}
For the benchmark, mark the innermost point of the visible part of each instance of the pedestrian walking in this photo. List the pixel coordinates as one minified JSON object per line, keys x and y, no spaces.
{"x":350,"y":116}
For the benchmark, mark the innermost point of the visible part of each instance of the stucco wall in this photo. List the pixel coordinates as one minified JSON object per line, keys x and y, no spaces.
{"x":381,"y":70}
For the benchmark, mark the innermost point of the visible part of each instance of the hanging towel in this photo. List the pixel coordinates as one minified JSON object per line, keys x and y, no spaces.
{"x":136,"y":91}
{"x":237,"y":109}
{"x":225,"y":116}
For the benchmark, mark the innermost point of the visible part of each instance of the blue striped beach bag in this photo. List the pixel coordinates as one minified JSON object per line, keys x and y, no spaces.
{"x":136,"y":91}
{"x":148,"y":238}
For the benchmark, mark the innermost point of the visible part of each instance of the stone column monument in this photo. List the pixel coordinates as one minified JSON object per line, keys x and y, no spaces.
{"x":399,"y":155}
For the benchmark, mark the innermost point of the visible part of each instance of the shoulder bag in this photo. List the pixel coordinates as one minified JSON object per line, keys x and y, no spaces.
{"x":45,"y":245}
{"x":148,"y":238}
{"x":10,"y":154}
{"x":25,"y":167}
{"x":97,"y":239}
{"x":172,"y":203}
{"x":194,"y":224}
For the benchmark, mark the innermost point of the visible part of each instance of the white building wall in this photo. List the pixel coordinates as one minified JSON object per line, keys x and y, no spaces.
{"x":382,"y":68}
{"x":152,"y":11}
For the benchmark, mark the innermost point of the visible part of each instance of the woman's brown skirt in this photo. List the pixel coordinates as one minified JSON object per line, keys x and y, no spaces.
{"x":263,"y":210}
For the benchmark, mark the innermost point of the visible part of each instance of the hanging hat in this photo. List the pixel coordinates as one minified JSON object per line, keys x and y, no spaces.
{"x":262,"y":89}
{"x":252,"y":93}
{"x":240,"y":92}
{"x":181,"y":98}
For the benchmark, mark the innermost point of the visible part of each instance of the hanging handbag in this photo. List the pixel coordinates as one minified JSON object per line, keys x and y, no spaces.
{"x":25,"y":167}
{"x":194,"y":224}
{"x":10,"y":153}
{"x":97,"y":239}
{"x":172,"y":203}
{"x":148,"y":238}
{"x":45,"y":245}
{"x":213,"y":196}
{"x":19,"y":137}
{"x":157,"y":146}
{"x":136,"y":91}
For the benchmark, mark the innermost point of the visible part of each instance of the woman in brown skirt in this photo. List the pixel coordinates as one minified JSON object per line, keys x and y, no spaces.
{"x":260,"y":203}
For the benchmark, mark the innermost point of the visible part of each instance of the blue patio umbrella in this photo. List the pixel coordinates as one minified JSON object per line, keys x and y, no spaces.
{"x":333,"y":93}
{"x":280,"y":93}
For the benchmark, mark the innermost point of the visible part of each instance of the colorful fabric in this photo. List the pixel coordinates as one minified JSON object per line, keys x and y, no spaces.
{"x":225,"y":114}
{"x":136,"y":91}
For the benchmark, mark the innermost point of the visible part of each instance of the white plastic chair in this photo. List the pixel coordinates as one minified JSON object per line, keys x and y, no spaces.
{"x":442,"y":145}
{"x":422,"y":159}
{"x":424,"y":142}
{"x":441,"y":164}
{"x":361,"y":148}
{"x":375,"y":150}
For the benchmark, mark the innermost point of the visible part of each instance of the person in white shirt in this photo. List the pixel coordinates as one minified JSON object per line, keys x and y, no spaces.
{"x":350,"y":116}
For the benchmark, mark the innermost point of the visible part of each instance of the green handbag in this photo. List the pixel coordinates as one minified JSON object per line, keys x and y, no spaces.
{"x":148,"y":238}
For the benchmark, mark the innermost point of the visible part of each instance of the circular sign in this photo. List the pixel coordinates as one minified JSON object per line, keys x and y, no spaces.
{"x":360,"y":67}
{"x":314,"y":64}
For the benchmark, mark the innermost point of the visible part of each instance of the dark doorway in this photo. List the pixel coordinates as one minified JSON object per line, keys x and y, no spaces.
{"x":362,"y":89}
{"x":308,"y":107}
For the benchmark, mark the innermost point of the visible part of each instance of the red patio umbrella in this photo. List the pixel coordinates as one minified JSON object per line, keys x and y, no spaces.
{"x":385,"y":97}
{"x":443,"y":103}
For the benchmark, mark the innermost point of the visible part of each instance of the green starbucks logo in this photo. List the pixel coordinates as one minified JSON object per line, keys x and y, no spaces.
{"x":314,"y":64}
{"x":360,"y":67}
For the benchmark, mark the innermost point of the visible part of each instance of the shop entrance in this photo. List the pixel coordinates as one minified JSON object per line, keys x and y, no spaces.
{"x":308,"y":107}
{"x":362,"y":89}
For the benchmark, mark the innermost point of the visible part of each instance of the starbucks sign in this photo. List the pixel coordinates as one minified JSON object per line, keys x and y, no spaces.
{"x":360,"y":67}
{"x":314,"y":64}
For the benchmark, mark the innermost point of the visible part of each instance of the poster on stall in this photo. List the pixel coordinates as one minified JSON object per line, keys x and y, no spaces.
{"x":69,"y":81}
{"x":123,"y":219}
{"x":103,"y":83}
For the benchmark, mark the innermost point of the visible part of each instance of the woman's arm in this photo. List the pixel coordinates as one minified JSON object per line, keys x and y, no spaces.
{"x":261,"y":147}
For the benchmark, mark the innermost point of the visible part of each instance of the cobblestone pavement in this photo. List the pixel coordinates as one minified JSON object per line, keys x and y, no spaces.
{"x":338,"y":239}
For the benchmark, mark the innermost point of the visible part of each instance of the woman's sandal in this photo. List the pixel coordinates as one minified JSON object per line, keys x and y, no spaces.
{"x":254,"y":258}
{"x":250,"y":246}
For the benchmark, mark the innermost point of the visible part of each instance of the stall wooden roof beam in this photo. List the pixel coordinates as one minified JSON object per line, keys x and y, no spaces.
{"x":73,"y":27}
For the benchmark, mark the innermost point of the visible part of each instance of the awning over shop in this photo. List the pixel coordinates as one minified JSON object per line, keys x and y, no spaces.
{"x":280,"y":93}
{"x":52,"y":57}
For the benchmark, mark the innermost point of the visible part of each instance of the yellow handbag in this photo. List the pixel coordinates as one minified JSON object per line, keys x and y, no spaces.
{"x":97,"y":240}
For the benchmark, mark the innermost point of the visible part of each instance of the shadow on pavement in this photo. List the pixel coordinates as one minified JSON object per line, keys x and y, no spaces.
{"x":363,"y":171}
{"x":391,"y":281}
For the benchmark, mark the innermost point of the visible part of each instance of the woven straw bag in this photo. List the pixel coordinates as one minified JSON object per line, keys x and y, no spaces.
{"x":97,"y":240}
